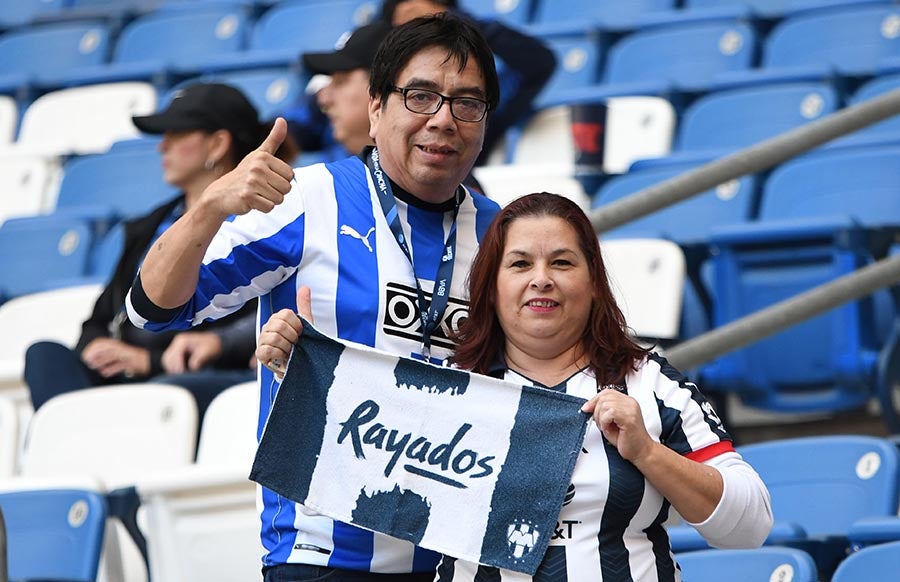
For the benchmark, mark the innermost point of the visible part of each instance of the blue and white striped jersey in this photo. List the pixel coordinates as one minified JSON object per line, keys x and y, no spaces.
{"x":331,"y":235}
{"x":610,"y":528}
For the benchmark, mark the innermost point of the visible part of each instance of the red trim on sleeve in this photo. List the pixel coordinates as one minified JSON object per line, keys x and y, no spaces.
{"x":707,"y":453}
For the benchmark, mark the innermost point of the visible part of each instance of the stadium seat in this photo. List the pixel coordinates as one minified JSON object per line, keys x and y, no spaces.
{"x":274,"y":41}
{"x":579,"y":64}
{"x":884,"y":132}
{"x":769,"y":9}
{"x":18,"y":13}
{"x":721,"y":122}
{"x":9,"y":437}
{"x":850,"y":41}
{"x":113,"y":186}
{"x":577,"y":16}
{"x":515,"y":12}
{"x":695,"y":55}
{"x":9,"y":119}
{"x":647,"y":278}
{"x":821,"y":216}
{"x":84,"y":120}
{"x":819,"y":486}
{"x":202,"y":521}
{"x":39,"y":252}
{"x":45,"y":56}
{"x":872,"y":563}
{"x":271,"y":91}
{"x":761,"y":564}
{"x":28,"y":184}
{"x":54,"y":534}
{"x":165,"y":45}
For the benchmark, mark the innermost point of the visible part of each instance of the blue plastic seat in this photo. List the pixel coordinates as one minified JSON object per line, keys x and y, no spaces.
{"x":885,"y":132}
{"x":163,"y":45}
{"x":45,"y":56}
{"x":271,"y":90}
{"x":874,"y":563}
{"x":769,"y":563}
{"x":724,"y":121}
{"x":677,"y":58}
{"x":585,"y":15}
{"x":113,"y":186}
{"x":276,"y":42}
{"x":14,"y":13}
{"x":579,"y":62}
{"x":849,"y":41}
{"x":772,"y":9}
{"x":54,"y":534}
{"x":38,"y":251}
{"x":820,"y":487}
{"x":519,"y":12}
{"x":821,"y":216}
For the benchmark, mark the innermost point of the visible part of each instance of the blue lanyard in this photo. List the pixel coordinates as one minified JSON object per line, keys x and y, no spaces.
{"x":430,"y":317}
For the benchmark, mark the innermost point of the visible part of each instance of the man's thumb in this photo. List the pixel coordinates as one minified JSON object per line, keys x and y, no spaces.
{"x":275,"y":138}
{"x":304,"y":303}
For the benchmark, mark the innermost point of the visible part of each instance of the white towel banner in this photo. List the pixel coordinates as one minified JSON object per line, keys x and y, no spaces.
{"x":463,"y":464}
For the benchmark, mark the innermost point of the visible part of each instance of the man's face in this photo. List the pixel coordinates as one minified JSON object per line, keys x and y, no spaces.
{"x":429,"y":155}
{"x":345,"y":101}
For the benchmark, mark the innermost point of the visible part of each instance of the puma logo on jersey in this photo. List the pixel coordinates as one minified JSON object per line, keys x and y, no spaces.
{"x":350,"y":231}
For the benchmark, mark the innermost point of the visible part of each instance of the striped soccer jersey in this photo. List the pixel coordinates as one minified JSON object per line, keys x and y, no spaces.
{"x":330,"y":234}
{"x":610,"y":526}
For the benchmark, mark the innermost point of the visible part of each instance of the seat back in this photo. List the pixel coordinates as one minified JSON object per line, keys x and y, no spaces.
{"x":276,"y":30}
{"x":871,"y":563}
{"x":742,"y":117}
{"x":27,"y":183}
{"x":229,"y":427}
{"x":116,"y":433}
{"x":850,"y":39}
{"x":83,"y":120}
{"x":692,"y":56}
{"x":860,"y":183}
{"x":579,"y":61}
{"x":15,"y":13}
{"x":770,"y":563}
{"x":769,"y":8}
{"x":588,"y":11}
{"x":270,"y":90}
{"x":513,"y":12}
{"x":94,"y":185}
{"x":40,"y":251}
{"x":825,"y":483}
{"x":54,"y":534}
{"x":183,"y":37}
{"x":9,"y":437}
{"x":54,"y":315}
{"x":647,"y":280}
{"x":53,"y":49}
{"x":689,"y":221}
{"x":887,"y":130}
{"x":9,"y":119}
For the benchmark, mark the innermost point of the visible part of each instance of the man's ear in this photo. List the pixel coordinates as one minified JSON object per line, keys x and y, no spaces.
{"x":220,"y":145}
{"x":375,"y":108}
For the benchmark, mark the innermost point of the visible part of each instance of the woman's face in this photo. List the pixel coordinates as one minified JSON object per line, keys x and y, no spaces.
{"x":544,"y":290}
{"x":184,"y":154}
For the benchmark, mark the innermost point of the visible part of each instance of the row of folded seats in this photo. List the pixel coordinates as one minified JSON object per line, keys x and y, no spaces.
{"x":94,"y":478}
{"x":696,"y":51}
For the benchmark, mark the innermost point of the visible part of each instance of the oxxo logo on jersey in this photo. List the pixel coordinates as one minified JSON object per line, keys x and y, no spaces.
{"x":444,"y":462}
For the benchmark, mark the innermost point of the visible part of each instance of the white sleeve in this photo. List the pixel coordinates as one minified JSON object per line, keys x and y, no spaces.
{"x":743,"y":517}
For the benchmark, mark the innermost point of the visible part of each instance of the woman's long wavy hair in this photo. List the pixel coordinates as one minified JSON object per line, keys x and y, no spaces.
{"x":611,"y":352}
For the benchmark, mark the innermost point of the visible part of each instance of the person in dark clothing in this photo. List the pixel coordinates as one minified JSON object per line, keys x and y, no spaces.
{"x":206,"y":129}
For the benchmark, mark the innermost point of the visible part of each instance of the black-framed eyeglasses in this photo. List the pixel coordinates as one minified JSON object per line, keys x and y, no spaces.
{"x":425,"y":102}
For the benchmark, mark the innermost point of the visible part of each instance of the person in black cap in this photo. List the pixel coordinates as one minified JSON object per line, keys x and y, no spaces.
{"x":206,"y":129}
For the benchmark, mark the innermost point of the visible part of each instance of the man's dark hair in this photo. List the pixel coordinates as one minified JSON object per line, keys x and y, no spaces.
{"x":458,"y":35}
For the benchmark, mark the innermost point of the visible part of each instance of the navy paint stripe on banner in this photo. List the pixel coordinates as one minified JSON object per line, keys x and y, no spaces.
{"x":297,"y":399}
{"x":521,"y":542}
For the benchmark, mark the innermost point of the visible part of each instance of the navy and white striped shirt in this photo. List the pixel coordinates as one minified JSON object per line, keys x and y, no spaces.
{"x":610,"y":528}
{"x":331,"y":235}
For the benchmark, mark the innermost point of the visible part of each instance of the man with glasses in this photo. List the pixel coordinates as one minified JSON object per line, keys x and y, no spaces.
{"x":375,"y":249}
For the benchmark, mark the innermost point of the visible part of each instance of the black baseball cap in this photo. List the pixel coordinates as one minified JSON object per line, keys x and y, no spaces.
{"x":357,"y":52}
{"x":207,"y":107}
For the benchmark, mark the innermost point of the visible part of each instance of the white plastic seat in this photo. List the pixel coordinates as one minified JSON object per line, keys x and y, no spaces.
{"x":9,"y":438}
{"x":202,"y":521}
{"x":9,"y":119}
{"x":647,"y":280}
{"x":505,"y":183}
{"x":27,"y":182}
{"x":83,"y":120}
